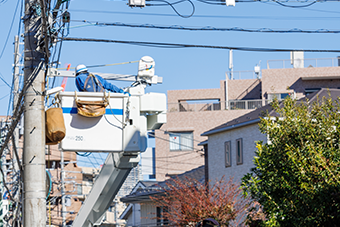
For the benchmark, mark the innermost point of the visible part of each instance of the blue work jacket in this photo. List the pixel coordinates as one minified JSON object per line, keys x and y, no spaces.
{"x":92,"y":86}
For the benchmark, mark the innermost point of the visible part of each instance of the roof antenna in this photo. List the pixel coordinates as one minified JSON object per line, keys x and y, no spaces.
{"x":257,"y":70}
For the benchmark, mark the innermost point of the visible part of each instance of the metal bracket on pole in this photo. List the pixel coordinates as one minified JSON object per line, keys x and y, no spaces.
{"x":53,"y":72}
{"x":146,"y":72}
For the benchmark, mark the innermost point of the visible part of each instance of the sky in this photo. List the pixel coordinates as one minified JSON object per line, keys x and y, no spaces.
{"x":181,"y":68}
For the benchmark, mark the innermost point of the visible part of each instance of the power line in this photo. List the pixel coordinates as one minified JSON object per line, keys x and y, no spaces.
{"x":3,"y":80}
{"x":174,"y":133}
{"x":191,"y":148}
{"x":174,"y":45}
{"x":94,"y":66}
{"x":215,"y":16}
{"x":173,"y":8}
{"x":4,"y":97}
{"x":291,"y":6}
{"x":172,"y":156}
{"x":183,"y":163}
{"x":308,"y":9}
{"x":208,"y":28}
{"x":3,"y":2}
{"x":10,"y":29}
{"x":219,"y":2}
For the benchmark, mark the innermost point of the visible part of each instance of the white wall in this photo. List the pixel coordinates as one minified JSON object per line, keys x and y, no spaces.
{"x":147,"y":163}
{"x":216,"y":152}
{"x":148,"y":211}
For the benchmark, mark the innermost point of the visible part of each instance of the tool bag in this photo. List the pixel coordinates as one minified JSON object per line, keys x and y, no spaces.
{"x":92,"y":108}
{"x":49,"y":142}
{"x":55,"y":126}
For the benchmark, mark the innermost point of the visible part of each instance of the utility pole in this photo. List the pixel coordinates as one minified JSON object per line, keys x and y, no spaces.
{"x":34,"y":130}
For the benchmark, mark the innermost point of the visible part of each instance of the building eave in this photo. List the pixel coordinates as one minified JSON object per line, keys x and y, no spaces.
{"x":208,"y":133}
{"x":126,"y":213}
{"x":141,"y":198}
{"x":205,"y":142}
{"x":320,"y":78}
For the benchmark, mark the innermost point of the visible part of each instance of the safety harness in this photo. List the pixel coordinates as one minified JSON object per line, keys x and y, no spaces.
{"x":92,"y":108}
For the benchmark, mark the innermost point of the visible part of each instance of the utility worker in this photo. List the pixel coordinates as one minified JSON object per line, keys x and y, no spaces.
{"x":86,"y":81}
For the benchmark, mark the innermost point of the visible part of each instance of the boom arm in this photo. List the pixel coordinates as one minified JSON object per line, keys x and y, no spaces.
{"x":122,"y":131}
{"x":113,"y":174}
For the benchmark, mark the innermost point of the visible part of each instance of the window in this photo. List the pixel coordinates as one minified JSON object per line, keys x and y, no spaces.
{"x":227,"y":149}
{"x":309,"y":91}
{"x":280,"y":96}
{"x":181,"y":141}
{"x":161,"y":220}
{"x":79,"y":189}
{"x":239,"y":152}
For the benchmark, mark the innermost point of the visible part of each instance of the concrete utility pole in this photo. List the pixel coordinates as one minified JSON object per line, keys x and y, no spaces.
{"x":34,"y":131}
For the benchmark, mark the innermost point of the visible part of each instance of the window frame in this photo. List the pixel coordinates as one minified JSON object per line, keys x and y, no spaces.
{"x":160,"y":220}
{"x":239,"y":155}
{"x":227,"y":154}
{"x":181,"y":146}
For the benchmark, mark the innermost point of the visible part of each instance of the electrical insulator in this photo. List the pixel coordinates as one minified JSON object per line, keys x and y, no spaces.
{"x":137,"y":3}
{"x":230,"y":2}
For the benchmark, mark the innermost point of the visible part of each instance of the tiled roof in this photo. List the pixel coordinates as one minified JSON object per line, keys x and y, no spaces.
{"x":254,"y":116}
{"x":249,"y":118}
{"x":155,"y":188}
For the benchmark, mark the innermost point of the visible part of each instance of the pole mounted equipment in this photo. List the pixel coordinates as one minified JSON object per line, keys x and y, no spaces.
{"x":137,"y":3}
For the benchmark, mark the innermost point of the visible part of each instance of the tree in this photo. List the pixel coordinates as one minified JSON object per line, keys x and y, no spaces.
{"x":189,"y":201}
{"x":296,"y":176}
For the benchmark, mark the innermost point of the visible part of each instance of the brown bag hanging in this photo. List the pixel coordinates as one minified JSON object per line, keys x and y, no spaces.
{"x":49,"y":142}
{"x":92,"y":108}
{"x":55,"y":126}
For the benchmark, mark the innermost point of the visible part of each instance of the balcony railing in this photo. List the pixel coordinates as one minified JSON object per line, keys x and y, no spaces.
{"x":242,"y":75}
{"x":246,"y":104}
{"x":217,"y":106}
{"x":312,"y":62}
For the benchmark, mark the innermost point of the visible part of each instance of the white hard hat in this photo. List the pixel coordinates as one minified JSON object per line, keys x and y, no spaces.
{"x":80,"y":68}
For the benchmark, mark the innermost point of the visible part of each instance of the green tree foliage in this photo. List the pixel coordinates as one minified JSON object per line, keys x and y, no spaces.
{"x":296,"y":176}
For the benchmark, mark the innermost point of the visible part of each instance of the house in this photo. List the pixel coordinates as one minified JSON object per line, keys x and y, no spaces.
{"x":141,"y":210}
{"x":230,"y":148}
{"x":190,"y":113}
{"x":193,"y":112}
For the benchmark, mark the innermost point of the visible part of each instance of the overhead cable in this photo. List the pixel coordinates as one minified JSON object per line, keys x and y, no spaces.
{"x":291,"y":6}
{"x":176,"y":45}
{"x":308,"y":9}
{"x":3,"y":1}
{"x":94,"y":66}
{"x":212,"y":16}
{"x":19,"y":109}
{"x":174,"y":9}
{"x":3,"y":80}
{"x":208,"y":28}
{"x":10,"y":29}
